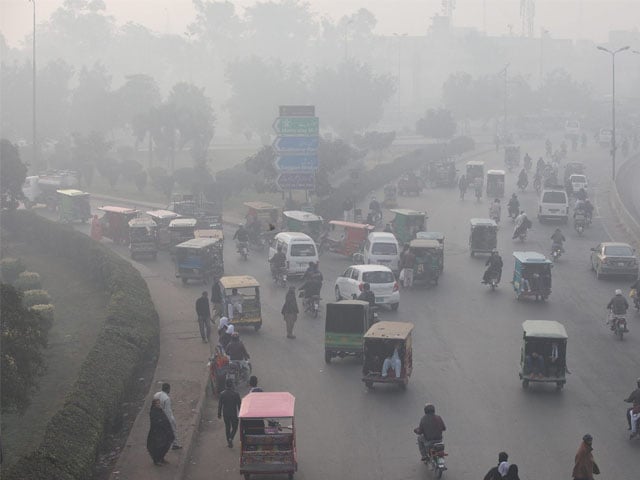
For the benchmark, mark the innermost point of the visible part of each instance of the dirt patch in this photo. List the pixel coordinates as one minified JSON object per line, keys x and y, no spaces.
{"x":80,"y":312}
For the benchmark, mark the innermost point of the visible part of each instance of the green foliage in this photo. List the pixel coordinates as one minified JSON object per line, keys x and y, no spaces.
{"x":437,"y":124}
{"x":140,"y":179}
{"x":23,"y":338}
{"x":28,"y":281}
{"x":13,"y":175}
{"x":375,"y":141}
{"x":130,"y":336}
{"x":460,"y":144}
{"x":11,"y":268}
{"x":35,"y":297}
{"x":46,"y":313}
{"x":88,"y":152}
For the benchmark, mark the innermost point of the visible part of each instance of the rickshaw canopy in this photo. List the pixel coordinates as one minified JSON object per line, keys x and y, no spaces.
{"x":544,"y":329}
{"x":73,"y":193}
{"x":217,"y":235}
{"x":389,"y":331}
{"x":197,"y":243}
{"x":531,"y":257}
{"x":142,"y":223}
{"x":407,"y":212}
{"x":482,"y":222}
{"x":439,"y":236}
{"x":301,"y":216}
{"x":498,"y":173}
{"x":121,"y":210}
{"x":260,"y":206}
{"x":162,"y":214}
{"x":424,"y":243}
{"x":183,"y":223}
{"x":475,"y":163}
{"x":341,"y":316}
{"x":357,"y":226}
{"x":238,"y":281}
{"x":268,"y":405}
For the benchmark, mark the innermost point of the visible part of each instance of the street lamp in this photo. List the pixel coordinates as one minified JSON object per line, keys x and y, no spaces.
{"x":505,"y":71}
{"x":399,"y":40}
{"x":613,"y":105}
{"x":34,"y":142}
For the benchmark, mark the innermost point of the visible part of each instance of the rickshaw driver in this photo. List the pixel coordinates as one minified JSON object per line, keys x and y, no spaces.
{"x":494,"y":264}
{"x":236,"y":350}
{"x":514,"y":206}
{"x":392,"y":361}
{"x":235,"y":303}
{"x":241,"y":235}
{"x":429,"y":431}
{"x":367,"y":295}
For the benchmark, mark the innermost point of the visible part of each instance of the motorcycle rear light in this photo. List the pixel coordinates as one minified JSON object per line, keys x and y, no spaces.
{"x":396,"y":287}
{"x":361,"y":286}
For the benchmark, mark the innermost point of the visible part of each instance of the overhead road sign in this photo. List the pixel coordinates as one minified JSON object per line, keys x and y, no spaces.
{"x":297,"y":162}
{"x":297,"y":110}
{"x":296,"y":144}
{"x":296,"y":125}
{"x":296,"y":181}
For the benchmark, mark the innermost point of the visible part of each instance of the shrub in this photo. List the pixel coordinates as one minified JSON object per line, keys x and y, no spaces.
{"x":35,"y":297}
{"x":460,"y":145}
{"x":11,"y":268}
{"x":28,"y":281}
{"x":46,"y":312}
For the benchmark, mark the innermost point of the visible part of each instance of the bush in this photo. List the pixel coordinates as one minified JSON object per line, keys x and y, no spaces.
{"x":35,"y":297}
{"x":129,"y":338}
{"x":11,"y":268}
{"x":28,"y":281}
{"x":460,"y":145}
{"x":46,"y":312}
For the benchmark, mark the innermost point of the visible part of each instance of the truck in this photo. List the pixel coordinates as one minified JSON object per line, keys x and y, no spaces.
{"x":207,"y":213}
{"x":41,"y":188}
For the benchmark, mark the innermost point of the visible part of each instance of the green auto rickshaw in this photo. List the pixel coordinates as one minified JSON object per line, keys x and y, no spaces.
{"x":303,"y":222}
{"x":73,"y":206}
{"x":428,"y":265}
{"x":543,"y":355}
{"x":532,"y":275}
{"x":439,"y":236}
{"x":143,"y":238}
{"x":483,"y":237}
{"x":345,"y":324}
{"x":407,"y":223}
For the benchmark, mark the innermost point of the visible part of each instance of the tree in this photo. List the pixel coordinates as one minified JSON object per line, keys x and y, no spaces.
{"x":89,"y":151}
{"x":437,"y":124}
{"x":473,"y":98}
{"x":92,"y":101}
{"x":350,"y":97}
{"x":24,"y":335}
{"x":137,"y":95}
{"x":13,"y":175}
{"x":560,"y":91}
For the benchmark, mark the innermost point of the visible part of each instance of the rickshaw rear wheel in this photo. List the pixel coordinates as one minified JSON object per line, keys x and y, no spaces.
{"x":559,"y":386}
{"x":247,"y":476}
{"x":368,"y":384}
{"x":525,"y":384}
{"x":327,"y":357}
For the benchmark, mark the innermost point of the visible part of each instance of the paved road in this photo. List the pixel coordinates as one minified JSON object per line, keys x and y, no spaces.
{"x":466,"y":352}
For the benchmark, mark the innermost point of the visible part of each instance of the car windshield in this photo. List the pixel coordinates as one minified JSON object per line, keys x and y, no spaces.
{"x":618,"y":251}
{"x":384,"y":249}
{"x":554,"y":197}
{"x":303,"y":250}
{"x":578,"y":178}
{"x":380,"y":276}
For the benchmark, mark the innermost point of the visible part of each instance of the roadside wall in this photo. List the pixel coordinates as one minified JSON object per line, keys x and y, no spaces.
{"x":627,"y":221}
{"x":129,"y":336}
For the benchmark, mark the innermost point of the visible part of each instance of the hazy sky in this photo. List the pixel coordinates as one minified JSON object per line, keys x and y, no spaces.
{"x":563,"y":18}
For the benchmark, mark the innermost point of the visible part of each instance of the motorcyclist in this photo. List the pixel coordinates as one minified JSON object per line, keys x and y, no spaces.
{"x":581,"y":194}
{"x":523,"y":179}
{"x":495,"y":210}
{"x":241,"y":235}
{"x":463,"y":184}
{"x":588,"y":210}
{"x":527,"y":161}
{"x":278,"y":262}
{"x":540,"y":165}
{"x":236,"y":350}
{"x":557,"y":238}
{"x":374,"y":206}
{"x":367,"y":295}
{"x":514,"y":206}
{"x":548,"y":147}
{"x":618,"y":304}
{"x":537,"y":180}
{"x":522,"y":225}
{"x":429,"y":430}
{"x":634,"y":398}
{"x":494,"y":266}
{"x":312,"y":270}
{"x":311,"y":287}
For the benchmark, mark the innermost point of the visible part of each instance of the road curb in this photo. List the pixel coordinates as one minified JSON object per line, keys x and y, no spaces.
{"x":626,"y":220}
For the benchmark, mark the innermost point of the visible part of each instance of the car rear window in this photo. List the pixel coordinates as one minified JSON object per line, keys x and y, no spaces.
{"x":578,"y":178}
{"x":554,"y":197}
{"x":303,"y":250}
{"x":384,"y":249}
{"x":618,"y":251}
{"x":378,"y":277}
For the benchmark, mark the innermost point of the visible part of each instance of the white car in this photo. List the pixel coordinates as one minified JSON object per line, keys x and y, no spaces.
{"x":578,"y":181}
{"x":380,"y":278}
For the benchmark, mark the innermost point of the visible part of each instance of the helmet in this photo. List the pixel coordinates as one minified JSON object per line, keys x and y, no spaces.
{"x":429,"y":408}
{"x":618,"y":291}
{"x":638,"y":382}
{"x":587,"y":438}
{"x":366,"y":286}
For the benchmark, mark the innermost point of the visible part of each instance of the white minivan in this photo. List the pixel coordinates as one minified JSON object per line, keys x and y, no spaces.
{"x":381,"y":248}
{"x":554,"y":205}
{"x":299,"y":248}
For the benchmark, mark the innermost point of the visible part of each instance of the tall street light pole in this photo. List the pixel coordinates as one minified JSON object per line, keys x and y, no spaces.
{"x":505,"y":71}
{"x":34,"y":140}
{"x":613,"y":105}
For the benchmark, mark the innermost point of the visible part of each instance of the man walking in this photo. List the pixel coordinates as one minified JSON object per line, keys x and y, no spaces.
{"x":585,"y":467}
{"x":290,"y":311}
{"x":228,"y":408}
{"x":165,"y":403}
{"x":204,"y":317}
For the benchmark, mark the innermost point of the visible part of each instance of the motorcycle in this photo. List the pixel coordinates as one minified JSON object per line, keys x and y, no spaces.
{"x":513,"y":212}
{"x":618,"y":324}
{"x":435,"y":459}
{"x":243,"y":250}
{"x":311,"y":305}
{"x":522,"y":185}
{"x":259,"y":243}
{"x":493,"y":280}
{"x":279,"y":276}
{"x":556,"y":252}
{"x":239,"y":372}
{"x":579,"y":222}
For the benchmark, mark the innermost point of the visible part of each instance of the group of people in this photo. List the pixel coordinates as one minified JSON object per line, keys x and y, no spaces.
{"x":504,"y":470}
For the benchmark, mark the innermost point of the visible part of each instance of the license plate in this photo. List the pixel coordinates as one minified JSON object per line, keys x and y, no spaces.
{"x":380,"y":299}
{"x":621,"y":264}
{"x":553,"y":210}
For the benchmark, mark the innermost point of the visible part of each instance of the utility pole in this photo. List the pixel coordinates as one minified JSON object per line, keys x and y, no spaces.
{"x":506,"y":72}
{"x":33,"y":112}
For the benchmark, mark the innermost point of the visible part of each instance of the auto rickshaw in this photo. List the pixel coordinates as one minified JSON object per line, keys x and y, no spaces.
{"x":303,"y":222}
{"x":495,"y":183}
{"x":241,"y":292}
{"x":195,"y":259}
{"x":345,"y":238}
{"x":428,"y":265}
{"x":511,"y":156}
{"x":181,"y":230}
{"x":409,"y":184}
{"x":163,"y":219}
{"x":261,"y":218}
{"x":115,"y":223}
{"x":345,"y":325}
{"x":483,"y":237}
{"x":532,"y":275}
{"x":543,"y":356}
{"x":380,"y":342}
{"x":475,"y":169}
{"x":443,"y":174}
{"x":268,"y":435}
{"x":390,"y":196}
{"x":143,"y":238}
{"x":407,"y":223}
{"x":218,"y":256}
{"x":73,"y":206}
{"x":439,"y":236}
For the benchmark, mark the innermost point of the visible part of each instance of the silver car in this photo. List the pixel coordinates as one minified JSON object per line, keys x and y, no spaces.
{"x":614,"y":258}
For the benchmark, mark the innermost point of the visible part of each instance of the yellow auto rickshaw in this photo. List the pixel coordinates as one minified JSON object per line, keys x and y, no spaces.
{"x":384,"y":344}
{"x":241,"y":300}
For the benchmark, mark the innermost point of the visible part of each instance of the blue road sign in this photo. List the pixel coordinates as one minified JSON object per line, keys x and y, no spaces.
{"x":299,"y":162}
{"x":296,"y":144}
{"x":296,"y":181}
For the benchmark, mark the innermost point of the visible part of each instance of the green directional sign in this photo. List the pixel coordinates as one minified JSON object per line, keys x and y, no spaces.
{"x":296,"y":125}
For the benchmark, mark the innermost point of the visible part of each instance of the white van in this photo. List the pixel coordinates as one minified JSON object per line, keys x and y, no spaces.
{"x":554,"y":204}
{"x":382,"y":248}
{"x":299,"y":249}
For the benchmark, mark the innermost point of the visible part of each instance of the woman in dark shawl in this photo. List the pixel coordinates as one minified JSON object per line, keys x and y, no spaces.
{"x":160,"y":435}
{"x":512,"y":473}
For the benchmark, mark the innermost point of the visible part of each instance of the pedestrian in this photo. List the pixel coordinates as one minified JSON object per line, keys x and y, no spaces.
{"x":228,"y":408}
{"x":512,"y":473}
{"x":160,"y":436}
{"x":290,"y":311}
{"x":216,"y":299}
{"x":408,"y":260}
{"x":585,"y":466}
{"x":165,"y":403}
{"x":253,"y":383}
{"x":347,"y":206}
{"x":204,"y":316}
{"x":494,"y":473}
{"x":96,"y":228}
